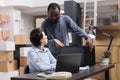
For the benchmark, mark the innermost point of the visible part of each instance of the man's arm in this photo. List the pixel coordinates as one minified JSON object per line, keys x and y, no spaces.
{"x":75,"y":28}
{"x":79,"y":31}
{"x":51,"y":38}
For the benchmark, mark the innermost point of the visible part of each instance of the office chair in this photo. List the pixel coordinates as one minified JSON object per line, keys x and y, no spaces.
{"x":26,"y":69}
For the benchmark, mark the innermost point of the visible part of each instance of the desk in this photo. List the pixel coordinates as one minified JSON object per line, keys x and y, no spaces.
{"x":80,"y":75}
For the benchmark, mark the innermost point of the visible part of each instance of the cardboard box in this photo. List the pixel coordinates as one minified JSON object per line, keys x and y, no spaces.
{"x":119,"y":4}
{"x":115,"y":24}
{"x":24,"y":51}
{"x":7,"y":45}
{"x":99,"y":50}
{"x":39,"y":21}
{"x":3,"y":18}
{"x":21,"y":71}
{"x":6,"y":56}
{"x":100,"y":76}
{"x":104,"y":40}
{"x":20,"y":39}
{"x":8,"y":66}
{"x":23,"y":61}
{"x":115,"y":53}
{"x":115,"y":72}
{"x":118,"y":71}
{"x":0,"y":35}
{"x":4,"y":34}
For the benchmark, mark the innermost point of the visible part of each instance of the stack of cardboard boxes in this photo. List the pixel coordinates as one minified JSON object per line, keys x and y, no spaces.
{"x":3,"y":19}
{"x":20,"y":39}
{"x":23,"y":59}
{"x":4,"y":34}
{"x":8,"y":66}
{"x":7,"y":62}
{"x":102,"y":43}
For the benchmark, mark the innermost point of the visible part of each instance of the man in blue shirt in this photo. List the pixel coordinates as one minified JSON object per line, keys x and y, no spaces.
{"x":40,"y":58}
{"x":56,"y":27}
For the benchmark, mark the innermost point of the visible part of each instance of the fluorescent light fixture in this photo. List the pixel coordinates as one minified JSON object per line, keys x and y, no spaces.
{"x":87,"y":0}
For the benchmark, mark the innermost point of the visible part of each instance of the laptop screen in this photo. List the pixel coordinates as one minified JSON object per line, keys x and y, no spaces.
{"x":74,"y":50}
{"x":68,"y":62}
{"x":88,"y":58}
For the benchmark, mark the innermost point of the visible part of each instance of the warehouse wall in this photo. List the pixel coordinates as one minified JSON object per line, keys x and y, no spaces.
{"x":28,"y":24}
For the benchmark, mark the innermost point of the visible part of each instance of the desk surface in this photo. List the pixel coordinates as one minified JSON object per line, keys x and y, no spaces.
{"x":80,"y":75}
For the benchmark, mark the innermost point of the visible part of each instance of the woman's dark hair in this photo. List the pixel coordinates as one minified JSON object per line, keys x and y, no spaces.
{"x":53,"y":6}
{"x":35,"y":36}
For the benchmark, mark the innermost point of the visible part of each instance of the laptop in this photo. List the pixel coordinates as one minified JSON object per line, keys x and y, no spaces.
{"x":65,"y":62}
{"x":68,"y":62}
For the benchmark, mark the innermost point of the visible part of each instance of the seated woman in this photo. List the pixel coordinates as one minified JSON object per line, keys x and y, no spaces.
{"x":40,"y":58}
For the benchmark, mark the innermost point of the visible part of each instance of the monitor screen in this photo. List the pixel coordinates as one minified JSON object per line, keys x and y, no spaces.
{"x":68,"y":62}
{"x":88,"y":58}
{"x":74,"y":50}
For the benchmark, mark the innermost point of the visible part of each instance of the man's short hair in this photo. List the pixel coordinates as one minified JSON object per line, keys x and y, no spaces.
{"x":53,"y":6}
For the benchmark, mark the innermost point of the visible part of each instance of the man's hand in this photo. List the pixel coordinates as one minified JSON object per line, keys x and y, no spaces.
{"x":89,"y":42}
{"x":59,"y":42}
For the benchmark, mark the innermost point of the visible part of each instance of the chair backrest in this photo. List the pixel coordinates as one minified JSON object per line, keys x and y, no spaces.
{"x":26,"y":69}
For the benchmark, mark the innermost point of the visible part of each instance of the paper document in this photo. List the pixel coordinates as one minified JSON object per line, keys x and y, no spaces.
{"x":84,"y":68}
{"x":56,"y":75}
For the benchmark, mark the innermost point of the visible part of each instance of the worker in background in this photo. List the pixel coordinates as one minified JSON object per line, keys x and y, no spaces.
{"x":56,"y":27}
